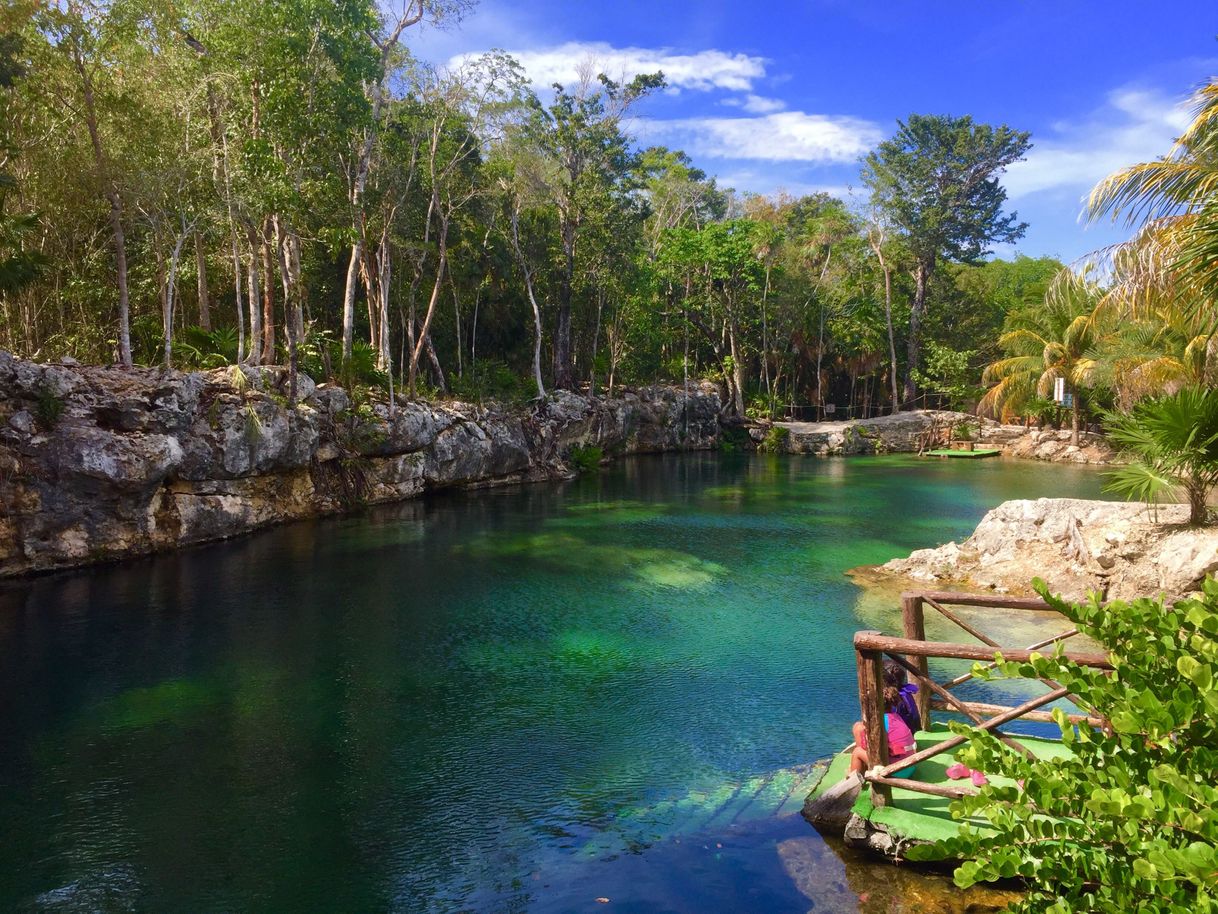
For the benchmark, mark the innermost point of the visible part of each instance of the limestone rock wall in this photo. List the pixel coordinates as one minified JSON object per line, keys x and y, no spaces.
{"x":99,"y":463}
{"x":1120,"y":549}
{"x":894,"y":434}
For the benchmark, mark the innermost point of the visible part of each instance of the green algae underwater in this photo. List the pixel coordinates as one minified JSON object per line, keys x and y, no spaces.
{"x":526,"y":699}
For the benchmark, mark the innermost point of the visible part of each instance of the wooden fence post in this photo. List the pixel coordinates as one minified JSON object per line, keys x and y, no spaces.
{"x":915,"y":630}
{"x":871,"y":704}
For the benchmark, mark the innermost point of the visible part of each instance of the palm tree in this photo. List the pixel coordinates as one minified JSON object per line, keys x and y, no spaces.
{"x":1173,"y":441}
{"x":1055,"y":339}
{"x":1153,"y":355}
{"x":1175,"y":200}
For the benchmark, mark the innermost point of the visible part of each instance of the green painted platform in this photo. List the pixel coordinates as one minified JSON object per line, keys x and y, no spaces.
{"x":921,"y":817}
{"x":975,"y":454}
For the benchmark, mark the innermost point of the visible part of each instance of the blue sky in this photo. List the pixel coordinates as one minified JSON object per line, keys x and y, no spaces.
{"x":788,"y":94}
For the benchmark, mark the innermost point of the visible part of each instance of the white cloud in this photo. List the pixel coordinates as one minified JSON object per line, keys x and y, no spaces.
{"x":1134,"y":125}
{"x":756,"y":104}
{"x":702,"y":71}
{"x":786,"y":136}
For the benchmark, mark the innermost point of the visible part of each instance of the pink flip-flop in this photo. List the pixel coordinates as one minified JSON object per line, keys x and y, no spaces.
{"x":958,"y":772}
{"x":979,"y":779}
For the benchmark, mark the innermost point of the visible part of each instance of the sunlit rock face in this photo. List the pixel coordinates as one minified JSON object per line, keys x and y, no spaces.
{"x":100,"y":463}
{"x":898,"y":433}
{"x":1076,"y":546}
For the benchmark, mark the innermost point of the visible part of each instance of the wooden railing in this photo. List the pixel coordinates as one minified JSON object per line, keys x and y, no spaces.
{"x":911,"y":653}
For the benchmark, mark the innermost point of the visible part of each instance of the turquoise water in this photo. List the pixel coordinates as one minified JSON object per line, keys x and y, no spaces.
{"x":513,"y":700}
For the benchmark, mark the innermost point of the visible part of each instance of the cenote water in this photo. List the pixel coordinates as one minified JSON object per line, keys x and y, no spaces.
{"x":518,"y":700}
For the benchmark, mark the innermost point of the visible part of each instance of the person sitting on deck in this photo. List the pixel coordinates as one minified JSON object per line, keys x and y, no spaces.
{"x":900,"y":737}
{"x":894,"y":675}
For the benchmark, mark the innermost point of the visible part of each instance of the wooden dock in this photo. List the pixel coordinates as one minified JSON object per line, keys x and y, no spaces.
{"x":891,"y":813}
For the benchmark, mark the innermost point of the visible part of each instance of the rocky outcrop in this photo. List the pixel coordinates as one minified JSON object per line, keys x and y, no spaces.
{"x":905,"y":432}
{"x":1047,"y":444}
{"x":895,"y":434}
{"x":1076,"y":546}
{"x":100,"y":463}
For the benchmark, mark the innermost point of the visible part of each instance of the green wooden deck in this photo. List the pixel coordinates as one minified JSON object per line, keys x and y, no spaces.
{"x":920,"y":817}
{"x":964,"y":455}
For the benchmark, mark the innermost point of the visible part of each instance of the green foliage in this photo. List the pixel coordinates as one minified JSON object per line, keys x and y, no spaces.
{"x":949,"y":373}
{"x":492,"y":379}
{"x":1053,"y":339}
{"x":586,"y":458}
{"x":963,"y":432}
{"x":1129,"y":823}
{"x":764,"y":406}
{"x":48,"y":407}
{"x":937,"y":179}
{"x":199,"y":348}
{"x":1173,"y":443}
{"x":322,"y":350}
{"x":775,"y":440}
{"x":733,"y":439}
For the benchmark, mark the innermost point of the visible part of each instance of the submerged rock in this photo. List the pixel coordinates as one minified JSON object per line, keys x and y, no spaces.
{"x":1076,"y":546}
{"x":101,"y":463}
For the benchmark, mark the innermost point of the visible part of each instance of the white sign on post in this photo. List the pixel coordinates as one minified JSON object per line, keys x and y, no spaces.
{"x":1059,"y":389}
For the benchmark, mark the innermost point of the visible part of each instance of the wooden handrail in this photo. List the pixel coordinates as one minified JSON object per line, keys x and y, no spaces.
{"x":875,"y":641}
{"x":953,"y":741}
{"x":1043,"y":717}
{"x":935,"y":790}
{"x":965,"y":677}
{"x":995,"y":601}
{"x":957,"y":705}
{"x":911,"y":654}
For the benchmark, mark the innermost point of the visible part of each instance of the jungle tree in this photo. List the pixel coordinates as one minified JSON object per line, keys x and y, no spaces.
{"x":937,"y":181}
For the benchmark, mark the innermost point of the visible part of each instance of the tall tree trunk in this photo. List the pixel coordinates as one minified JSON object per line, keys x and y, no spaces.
{"x":201,"y":271}
{"x":291,"y":302}
{"x":564,"y":369}
{"x":116,"y":209}
{"x":357,"y":253}
{"x":737,"y":369}
{"x":171,"y":288}
{"x":528,"y":285}
{"x":877,"y":246}
{"x":412,"y":12}
{"x":765,"y":342}
{"x":434,"y":361}
{"x":255,"y":299}
{"x":237,"y":296}
{"x":268,"y":297}
{"x":1074,"y":414}
{"x":425,"y":330}
{"x":596,"y":337}
{"x":384,"y":278}
{"x":916,"y":315}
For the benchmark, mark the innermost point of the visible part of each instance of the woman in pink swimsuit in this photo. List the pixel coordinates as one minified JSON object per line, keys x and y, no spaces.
{"x":900,"y":739}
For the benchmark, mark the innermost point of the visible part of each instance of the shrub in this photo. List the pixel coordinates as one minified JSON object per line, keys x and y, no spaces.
{"x":1130,"y":822}
{"x":48,"y":407}
{"x":490,"y":379}
{"x":1173,"y":441}
{"x":733,"y":438}
{"x":586,"y":459}
{"x":199,"y":348}
{"x":775,"y":440}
